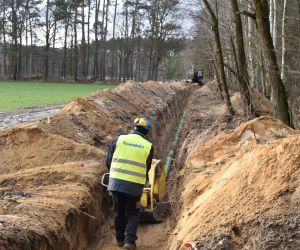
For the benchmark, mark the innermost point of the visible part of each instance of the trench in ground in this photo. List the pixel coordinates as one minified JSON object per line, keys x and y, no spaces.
{"x":205,"y":119}
{"x":52,"y":140}
{"x":151,"y":235}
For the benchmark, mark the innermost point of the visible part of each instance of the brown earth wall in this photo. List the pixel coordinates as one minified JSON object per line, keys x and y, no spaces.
{"x":50,"y":170}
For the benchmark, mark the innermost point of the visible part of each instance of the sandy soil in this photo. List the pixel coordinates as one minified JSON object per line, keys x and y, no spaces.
{"x":206,"y":116}
{"x":238,"y":189}
{"x":234,"y":182}
{"x":150,"y":237}
{"x":242,"y":189}
{"x":50,"y":170}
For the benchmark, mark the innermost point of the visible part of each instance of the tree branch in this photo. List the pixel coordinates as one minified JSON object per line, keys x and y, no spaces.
{"x":248,"y":14}
{"x":232,"y":70}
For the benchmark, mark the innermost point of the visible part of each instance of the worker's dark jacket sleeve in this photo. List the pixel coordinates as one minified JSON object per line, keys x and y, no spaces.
{"x":122,"y":186}
{"x":110,"y":155}
{"x":149,"y":161}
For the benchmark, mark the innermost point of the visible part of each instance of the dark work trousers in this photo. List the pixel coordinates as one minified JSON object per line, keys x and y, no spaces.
{"x":126,"y":216}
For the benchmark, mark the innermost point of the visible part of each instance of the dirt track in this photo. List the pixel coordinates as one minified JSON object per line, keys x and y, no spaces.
{"x":223,"y":186}
{"x":8,"y":119}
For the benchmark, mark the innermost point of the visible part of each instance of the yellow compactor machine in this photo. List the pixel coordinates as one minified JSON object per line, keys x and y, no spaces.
{"x":154,"y":198}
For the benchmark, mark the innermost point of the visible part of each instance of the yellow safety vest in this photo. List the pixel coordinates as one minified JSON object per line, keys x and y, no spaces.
{"x":129,"y":159}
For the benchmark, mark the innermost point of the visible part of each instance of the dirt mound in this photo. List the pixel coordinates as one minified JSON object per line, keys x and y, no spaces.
{"x":207,"y":116}
{"x":47,"y":186}
{"x":233,"y":190}
{"x":261,"y":104}
{"x":50,"y":207}
{"x":101,"y":117}
{"x":241,"y":190}
{"x":50,"y":170}
{"x":30,"y":147}
{"x":258,"y":131}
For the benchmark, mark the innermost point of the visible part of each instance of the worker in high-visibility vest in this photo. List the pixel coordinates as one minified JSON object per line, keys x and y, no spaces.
{"x":129,"y":160}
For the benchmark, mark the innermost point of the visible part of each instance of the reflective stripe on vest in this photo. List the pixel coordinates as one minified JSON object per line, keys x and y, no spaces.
{"x":130,"y":158}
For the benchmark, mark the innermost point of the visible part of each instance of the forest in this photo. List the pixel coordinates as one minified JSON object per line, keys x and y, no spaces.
{"x":252,"y":44}
{"x":88,"y":39}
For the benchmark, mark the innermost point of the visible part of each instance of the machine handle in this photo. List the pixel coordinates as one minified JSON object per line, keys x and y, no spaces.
{"x":103,"y":180}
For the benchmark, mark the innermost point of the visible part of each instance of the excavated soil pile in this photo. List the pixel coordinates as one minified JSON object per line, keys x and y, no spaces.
{"x":106,"y":114}
{"x":241,"y":190}
{"x":234,"y":183}
{"x":50,"y":192}
{"x":207,"y":116}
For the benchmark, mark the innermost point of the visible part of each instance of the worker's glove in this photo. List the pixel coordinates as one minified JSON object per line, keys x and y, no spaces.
{"x":147,"y":184}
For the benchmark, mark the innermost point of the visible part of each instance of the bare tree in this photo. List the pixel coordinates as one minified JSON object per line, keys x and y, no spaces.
{"x":242,"y":70}
{"x":83,"y":45}
{"x":261,"y":8}
{"x":96,"y":33}
{"x":47,"y":16}
{"x":219,"y":51}
{"x":113,"y":56}
{"x":283,"y":40}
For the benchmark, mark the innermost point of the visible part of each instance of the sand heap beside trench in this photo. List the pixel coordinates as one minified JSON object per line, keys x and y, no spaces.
{"x":242,"y":190}
{"x":49,"y":185}
{"x":50,"y":192}
{"x":107,"y":114}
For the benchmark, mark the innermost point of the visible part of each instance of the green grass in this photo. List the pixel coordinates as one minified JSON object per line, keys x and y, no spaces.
{"x":19,"y":95}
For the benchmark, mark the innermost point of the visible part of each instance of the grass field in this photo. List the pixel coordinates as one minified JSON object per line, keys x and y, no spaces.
{"x":19,"y":95}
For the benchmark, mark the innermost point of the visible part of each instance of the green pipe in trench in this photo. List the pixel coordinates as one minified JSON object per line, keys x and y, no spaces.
{"x":175,"y":141}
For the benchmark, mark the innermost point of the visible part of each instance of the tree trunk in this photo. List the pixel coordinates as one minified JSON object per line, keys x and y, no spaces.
{"x":127,"y":48}
{"x":235,"y":56}
{"x":283,"y":39}
{"x":274,"y":32}
{"x":241,"y":59}
{"x":88,"y":40}
{"x":102,"y":63}
{"x":104,"y":41}
{"x":150,"y":62}
{"x":20,"y":57}
{"x":96,"y":58}
{"x":4,"y":39}
{"x":15,"y":41}
{"x":265,"y":89}
{"x":137,"y":75}
{"x":132,"y":44}
{"x":220,"y":60}
{"x":82,"y":57}
{"x":216,"y":72}
{"x":64,"y":66}
{"x":26,"y":48}
{"x":71,"y":64}
{"x":113,"y":54}
{"x":250,"y":45}
{"x":54,"y":63}
{"x":46,"y":63}
{"x":121,"y":65}
{"x":31,"y":51}
{"x":278,"y":90}
{"x":75,"y":47}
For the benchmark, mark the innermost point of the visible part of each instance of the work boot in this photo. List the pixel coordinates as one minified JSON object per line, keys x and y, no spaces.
{"x":118,"y":243}
{"x":130,"y":246}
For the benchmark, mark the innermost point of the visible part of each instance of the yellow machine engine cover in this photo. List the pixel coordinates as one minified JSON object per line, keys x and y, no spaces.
{"x":158,"y":185}
{"x":144,"y":199}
